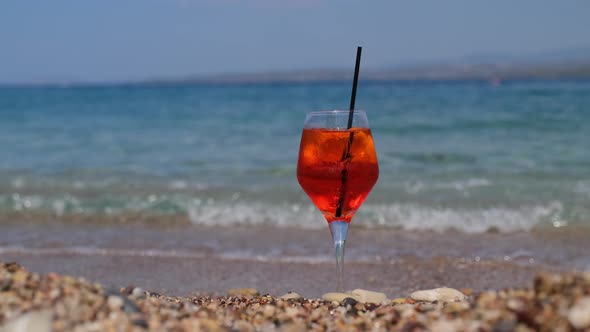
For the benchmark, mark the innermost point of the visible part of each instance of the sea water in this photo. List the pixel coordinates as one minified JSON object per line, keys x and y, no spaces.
{"x":464,"y":155}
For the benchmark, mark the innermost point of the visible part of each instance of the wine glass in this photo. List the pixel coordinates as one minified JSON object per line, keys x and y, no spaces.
{"x":337,"y":168}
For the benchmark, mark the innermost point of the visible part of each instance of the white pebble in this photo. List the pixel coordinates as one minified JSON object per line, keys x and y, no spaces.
{"x":365,"y":296}
{"x":579,"y":314}
{"x":335,"y":297}
{"x":114,"y":302}
{"x":268,"y":311}
{"x":38,"y":321}
{"x":291,"y":295}
{"x":443,"y":294}
{"x":138,"y":293}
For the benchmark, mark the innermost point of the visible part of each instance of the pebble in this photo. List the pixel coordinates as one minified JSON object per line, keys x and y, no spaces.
{"x":466,"y":291}
{"x":115,"y":302}
{"x":291,"y":296}
{"x":19,"y":277}
{"x":579,"y":314}
{"x":365,"y":296}
{"x":360,"y":295}
{"x":294,"y":327}
{"x":443,"y":294}
{"x":247,"y":292}
{"x":37,"y":321}
{"x":556,"y":303}
{"x":349,"y":301}
{"x":335,"y":297}
{"x":399,"y":300}
{"x":141,"y":323}
{"x":138,"y":293}
{"x":444,"y":325}
{"x":269,"y":311}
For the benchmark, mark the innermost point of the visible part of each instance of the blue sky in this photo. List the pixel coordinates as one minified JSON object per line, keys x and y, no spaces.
{"x":106,"y":40}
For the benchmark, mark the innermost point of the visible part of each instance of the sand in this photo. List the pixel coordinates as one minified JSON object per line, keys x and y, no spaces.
{"x":188,"y":270}
{"x":190,"y":260}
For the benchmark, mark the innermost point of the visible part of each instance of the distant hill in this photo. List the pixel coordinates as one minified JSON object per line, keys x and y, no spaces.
{"x":572,"y":64}
{"x":563,"y":64}
{"x":481,"y":71}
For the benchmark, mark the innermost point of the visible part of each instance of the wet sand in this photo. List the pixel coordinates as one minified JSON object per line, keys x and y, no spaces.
{"x":181,"y":276}
{"x":195,"y":259}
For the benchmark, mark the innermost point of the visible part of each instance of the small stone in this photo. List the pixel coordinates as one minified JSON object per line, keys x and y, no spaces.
{"x":20,"y":277}
{"x":268,"y":311}
{"x":579,"y":314}
{"x":294,"y":327}
{"x":349,"y":301}
{"x":335,"y":297}
{"x":12,"y":267}
{"x":138,"y":293}
{"x":54,"y":293}
{"x":246,"y":292}
{"x":444,"y":325}
{"x":5,"y":284}
{"x":524,"y":328}
{"x":466,"y":291}
{"x":291,"y":296}
{"x":205,"y":324}
{"x":456,"y":307}
{"x":515,"y":304}
{"x":130,"y":307}
{"x":399,"y":300}
{"x":291,"y":312}
{"x":504,"y":325}
{"x":425,"y":307}
{"x":141,"y":323}
{"x":114,"y":302}
{"x":443,"y":294}
{"x":413,"y":326}
{"x":365,"y":296}
{"x":38,"y":321}
{"x":242,"y":325}
{"x":127,"y":290}
{"x":547,"y":283}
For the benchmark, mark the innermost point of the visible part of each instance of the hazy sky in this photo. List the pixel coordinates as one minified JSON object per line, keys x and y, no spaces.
{"x":98,"y":40}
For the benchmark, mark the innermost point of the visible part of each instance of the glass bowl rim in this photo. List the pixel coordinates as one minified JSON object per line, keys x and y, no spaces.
{"x":324,"y":112}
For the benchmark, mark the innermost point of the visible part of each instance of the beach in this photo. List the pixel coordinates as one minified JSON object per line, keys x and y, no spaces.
{"x":187,"y":259}
{"x":139,"y":277}
{"x":189,"y":192}
{"x":232,"y":166}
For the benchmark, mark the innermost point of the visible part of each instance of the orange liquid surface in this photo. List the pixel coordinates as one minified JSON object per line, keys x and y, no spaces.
{"x":321,"y":165}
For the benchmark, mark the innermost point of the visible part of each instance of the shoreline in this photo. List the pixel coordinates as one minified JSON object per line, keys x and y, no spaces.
{"x":194,"y":259}
{"x":93,"y":277}
{"x":182,"y":277}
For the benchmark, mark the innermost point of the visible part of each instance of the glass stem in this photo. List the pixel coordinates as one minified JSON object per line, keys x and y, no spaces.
{"x":339,"y":229}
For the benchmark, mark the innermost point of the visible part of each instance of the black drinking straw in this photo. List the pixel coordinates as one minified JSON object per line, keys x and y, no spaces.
{"x":355,"y":82}
{"x":346,"y":154}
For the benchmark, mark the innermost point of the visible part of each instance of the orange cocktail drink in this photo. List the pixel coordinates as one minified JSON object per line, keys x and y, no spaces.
{"x":337,"y":177}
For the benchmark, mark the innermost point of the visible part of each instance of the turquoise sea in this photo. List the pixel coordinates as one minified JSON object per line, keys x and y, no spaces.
{"x":464,"y":155}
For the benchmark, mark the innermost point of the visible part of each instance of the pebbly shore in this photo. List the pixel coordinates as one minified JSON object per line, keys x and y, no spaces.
{"x":52,"y":302}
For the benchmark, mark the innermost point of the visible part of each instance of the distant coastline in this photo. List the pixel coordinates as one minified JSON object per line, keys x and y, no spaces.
{"x":450,"y":72}
{"x":493,"y":71}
